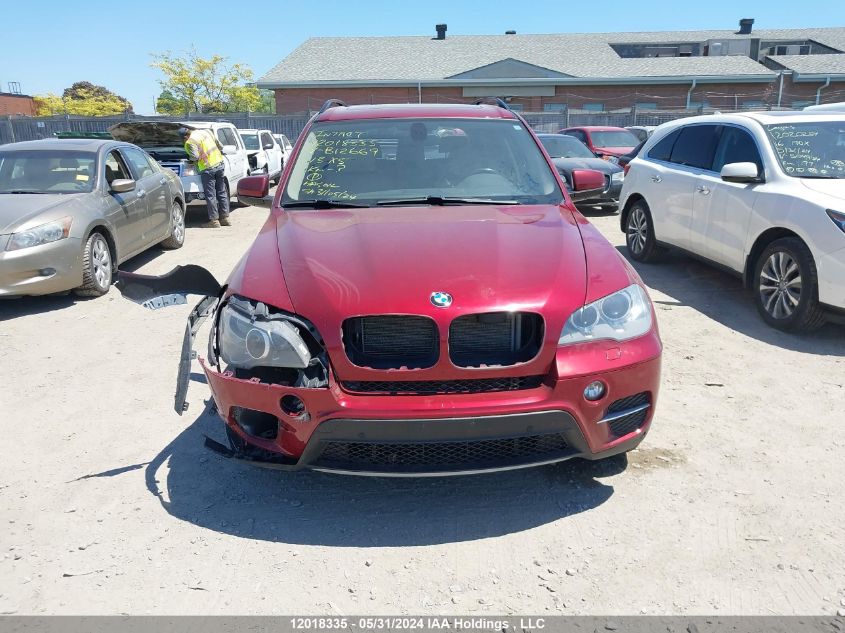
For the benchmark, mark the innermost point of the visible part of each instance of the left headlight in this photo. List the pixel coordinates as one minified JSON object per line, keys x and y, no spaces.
{"x":621,"y":316}
{"x":42,"y":234}
{"x":248,"y":340}
{"x":838,"y":218}
{"x":619,"y":176}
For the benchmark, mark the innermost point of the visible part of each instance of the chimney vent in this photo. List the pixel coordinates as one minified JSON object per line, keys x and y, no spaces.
{"x":745,"y":25}
{"x":441,"y":31}
{"x":510,"y":32}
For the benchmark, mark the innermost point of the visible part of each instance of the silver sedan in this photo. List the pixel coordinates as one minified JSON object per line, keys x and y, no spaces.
{"x":71,"y":210}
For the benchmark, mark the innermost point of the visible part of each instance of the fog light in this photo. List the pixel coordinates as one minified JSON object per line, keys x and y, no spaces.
{"x":292,"y":406}
{"x":594,"y":391}
{"x":47,"y":272}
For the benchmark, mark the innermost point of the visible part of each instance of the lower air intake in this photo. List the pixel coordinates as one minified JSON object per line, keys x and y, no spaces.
{"x":629,"y":423}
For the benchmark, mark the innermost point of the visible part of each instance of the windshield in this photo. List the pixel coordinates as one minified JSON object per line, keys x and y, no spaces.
{"x":250,"y":140}
{"x":613,"y":138}
{"x":377,"y":160}
{"x":810,"y":150}
{"x":46,"y":171}
{"x":565,"y":147}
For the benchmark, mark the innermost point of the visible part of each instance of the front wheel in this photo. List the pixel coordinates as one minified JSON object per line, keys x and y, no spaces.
{"x":786,"y":289}
{"x":96,"y":267}
{"x":639,"y":234}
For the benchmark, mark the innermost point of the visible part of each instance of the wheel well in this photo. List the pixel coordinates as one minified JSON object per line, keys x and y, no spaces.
{"x":763,"y":240}
{"x":103,"y":230}
{"x":623,"y":216}
{"x":180,"y":201}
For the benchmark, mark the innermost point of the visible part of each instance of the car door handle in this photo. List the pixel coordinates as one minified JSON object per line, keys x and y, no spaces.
{"x":656,"y":179}
{"x":702,"y":190}
{"x":141,"y":193}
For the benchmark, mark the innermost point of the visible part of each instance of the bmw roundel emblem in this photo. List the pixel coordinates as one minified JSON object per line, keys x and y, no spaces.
{"x":441,"y":299}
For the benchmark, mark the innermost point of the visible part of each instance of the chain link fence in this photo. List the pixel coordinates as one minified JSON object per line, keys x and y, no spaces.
{"x":21,"y":128}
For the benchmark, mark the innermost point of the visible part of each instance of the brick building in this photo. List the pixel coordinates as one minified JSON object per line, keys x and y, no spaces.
{"x":594,"y":72}
{"x":16,"y":103}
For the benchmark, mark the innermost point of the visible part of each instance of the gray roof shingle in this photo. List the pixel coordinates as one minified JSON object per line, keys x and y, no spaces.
{"x":422,"y":58}
{"x":812,"y":64}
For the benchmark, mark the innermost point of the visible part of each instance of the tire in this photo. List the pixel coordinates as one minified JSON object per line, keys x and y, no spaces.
{"x":177,"y":228}
{"x":96,"y":267}
{"x":233,"y":204}
{"x":639,"y":234}
{"x":785,"y":286}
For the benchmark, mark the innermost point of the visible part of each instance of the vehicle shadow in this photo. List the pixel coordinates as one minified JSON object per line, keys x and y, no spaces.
{"x":722,"y":297}
{"x":312,"y":508}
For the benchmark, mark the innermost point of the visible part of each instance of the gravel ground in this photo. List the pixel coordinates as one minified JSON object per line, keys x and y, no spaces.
{"x":109,"y":503}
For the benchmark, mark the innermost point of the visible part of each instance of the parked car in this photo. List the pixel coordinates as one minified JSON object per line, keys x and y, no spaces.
{"x":761,"y":194}
{"x":625,"y":160}
{"x":161,"y":139}
{"x":263,"y":152}
{"x":384,"y":321}
{"x":605,"y":142}
{"x":642,"y":132}
{"x":568,"y":154}
{"x":286,"y":147}
{"x":826,"y":107}
{"x":72,"y":210}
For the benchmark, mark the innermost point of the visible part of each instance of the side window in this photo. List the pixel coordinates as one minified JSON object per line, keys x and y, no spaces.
{"x":138,"y":162}
{"x":267,"y":139}
{"x":736,"y":146}
{"x":226,"y":136}
{"x":662,"y":150}
{"x":695,"y":146}
{"x":115,"y":168}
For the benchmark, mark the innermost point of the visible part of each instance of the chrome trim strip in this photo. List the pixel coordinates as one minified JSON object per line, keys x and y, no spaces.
{"x":624,"y":413}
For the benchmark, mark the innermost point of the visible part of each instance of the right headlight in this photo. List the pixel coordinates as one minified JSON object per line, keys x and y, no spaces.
{"x":620,"y":316}
{"x":248,"y":340}
{"x":43,"y":234}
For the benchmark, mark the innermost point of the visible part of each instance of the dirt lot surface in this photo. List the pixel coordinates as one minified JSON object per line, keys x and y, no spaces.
{"x":109,"y":503}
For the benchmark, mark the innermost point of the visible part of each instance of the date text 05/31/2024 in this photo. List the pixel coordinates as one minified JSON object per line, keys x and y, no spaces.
{"x":374,"y":623}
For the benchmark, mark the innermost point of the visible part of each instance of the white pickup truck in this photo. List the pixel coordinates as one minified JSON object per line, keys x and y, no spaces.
{"x":162,"y":141}
{"x":265,"y":155}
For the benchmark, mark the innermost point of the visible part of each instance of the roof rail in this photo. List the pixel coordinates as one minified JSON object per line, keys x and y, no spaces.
{"x":331,"y":103}
{"x":497,"y":101}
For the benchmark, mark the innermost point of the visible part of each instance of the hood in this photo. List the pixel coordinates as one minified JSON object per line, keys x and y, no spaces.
{"x":604,"y":166}
{"x":834,"y":187}
{"x":149,"y":133}
{"x":21,"y":211}
{"x":339,"y":263}
{"x":615,"y":151}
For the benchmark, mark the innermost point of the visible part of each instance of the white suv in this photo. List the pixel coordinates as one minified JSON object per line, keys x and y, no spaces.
{"x":761,"y":194}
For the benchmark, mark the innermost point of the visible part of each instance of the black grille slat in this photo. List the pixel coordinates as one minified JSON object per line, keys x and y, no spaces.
{"x":432,"y":387}
{"x":440,"y":455}
{"x":629,"y":423}
{"x":391,"y":341}
{"x":495,"y":338}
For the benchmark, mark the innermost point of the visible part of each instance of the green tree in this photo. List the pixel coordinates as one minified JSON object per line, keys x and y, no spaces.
{"x":207,"y":84}
{"x":82,"y":98}
{"x":168,"y":104}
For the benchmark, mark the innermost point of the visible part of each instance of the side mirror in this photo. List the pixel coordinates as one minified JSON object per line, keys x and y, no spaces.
{"x":740,"y":172}
{"x":586,"y":184}
{"x":269,"y":145}
{"x":122,"y":185}
{"x":230,"y":149}
{"x":254,"y":190}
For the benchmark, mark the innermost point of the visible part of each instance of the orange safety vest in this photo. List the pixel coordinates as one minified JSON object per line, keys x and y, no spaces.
{"x":202,"y":146}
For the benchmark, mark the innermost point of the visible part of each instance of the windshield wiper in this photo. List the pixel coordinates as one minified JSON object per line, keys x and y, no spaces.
{"x":23,"y":191}
{"x":322,"y":204}
{"x":440,"y":200}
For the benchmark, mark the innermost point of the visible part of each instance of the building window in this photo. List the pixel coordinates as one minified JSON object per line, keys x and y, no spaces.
{"x":594,"y":107}
{"x":645,"y":106}
{"x":752,"y":105}
{"x":697,"y":105}
{"x":516,"y":107}
{"x":554,"y":107}
{"x":800,"y":105}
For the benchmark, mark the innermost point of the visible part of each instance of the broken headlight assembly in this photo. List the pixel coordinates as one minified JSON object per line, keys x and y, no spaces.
{"x":251,"y":336}
{"x":620,"y":316}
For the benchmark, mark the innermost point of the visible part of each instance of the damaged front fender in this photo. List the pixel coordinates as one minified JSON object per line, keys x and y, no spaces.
{"x":159,"y":291}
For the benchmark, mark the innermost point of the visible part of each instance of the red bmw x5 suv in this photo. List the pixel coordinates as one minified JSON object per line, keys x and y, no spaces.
{"x":423,"y":299}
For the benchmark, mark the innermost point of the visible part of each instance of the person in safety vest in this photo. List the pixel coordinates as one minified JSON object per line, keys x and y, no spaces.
{"x":205,"y":150}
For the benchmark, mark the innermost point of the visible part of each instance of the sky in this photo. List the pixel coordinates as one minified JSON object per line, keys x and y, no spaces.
{"x":48,"y":45}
